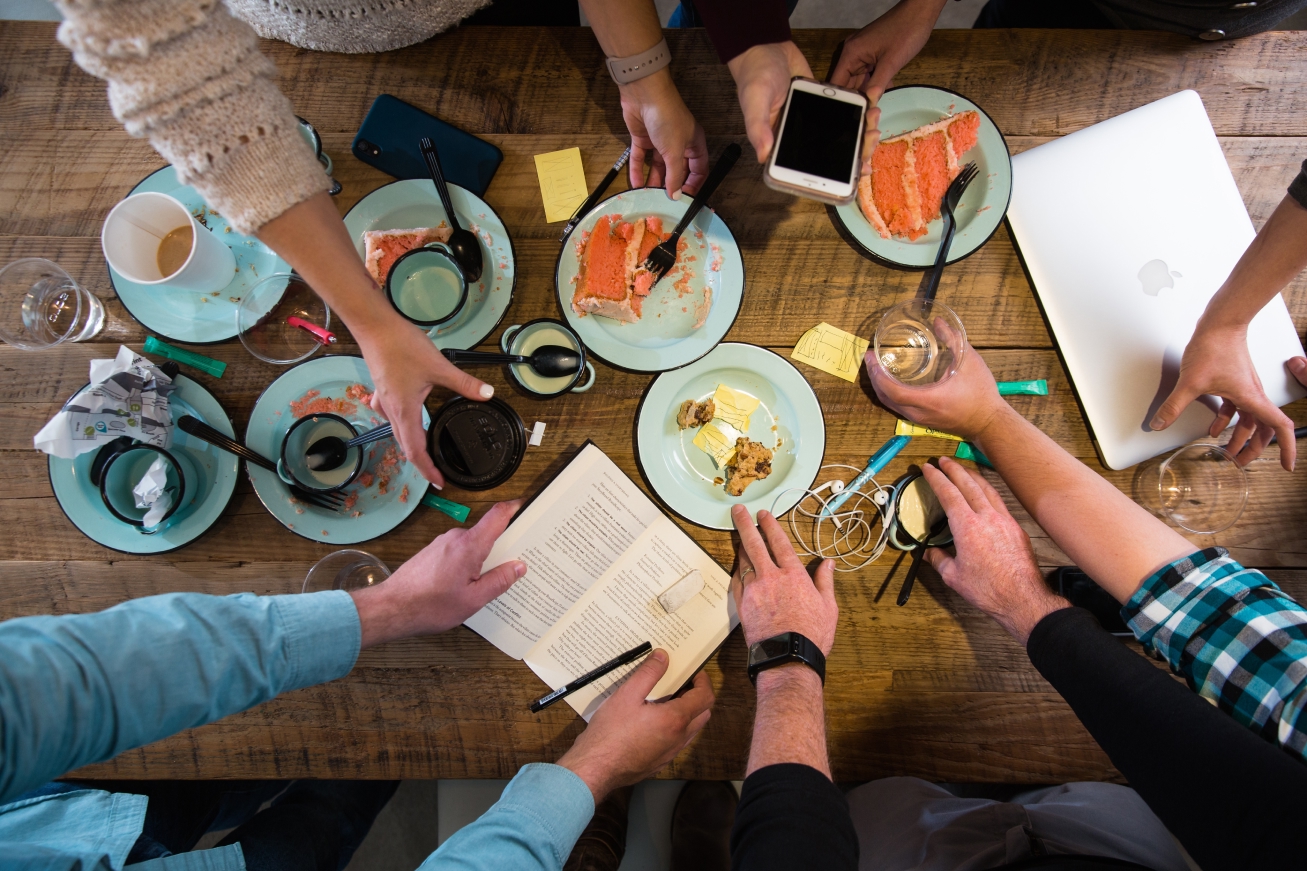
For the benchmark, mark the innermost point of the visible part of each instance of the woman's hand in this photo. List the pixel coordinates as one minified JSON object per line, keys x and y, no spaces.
{"x":666,"y":141}
{"x":762,"y":77}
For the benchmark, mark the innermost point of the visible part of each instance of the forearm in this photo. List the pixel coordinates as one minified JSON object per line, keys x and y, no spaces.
{"x":83,"y":688}
{"x":790,"y":722}
{"x":1102,"y":530}
{"x":1275,"y":258}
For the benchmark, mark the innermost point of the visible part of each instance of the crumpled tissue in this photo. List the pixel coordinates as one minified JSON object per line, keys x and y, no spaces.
{"x":152,"y":492}
{"x":128,"y":397}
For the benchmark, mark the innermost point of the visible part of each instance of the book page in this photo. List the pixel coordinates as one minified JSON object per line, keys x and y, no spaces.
{"x":568,"y":537}
{"x":621,"y":611}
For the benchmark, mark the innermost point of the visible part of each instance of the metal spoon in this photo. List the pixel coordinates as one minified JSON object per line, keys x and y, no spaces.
{"x":464,"y":244}
{"x":329,"y":452}
{"x":551,"y":361}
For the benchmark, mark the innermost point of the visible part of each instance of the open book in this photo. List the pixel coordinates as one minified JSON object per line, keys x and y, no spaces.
{"x":599,"y":552}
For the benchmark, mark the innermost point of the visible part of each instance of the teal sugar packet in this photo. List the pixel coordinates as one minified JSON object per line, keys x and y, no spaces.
{"x":1027,"y":388}
{"x":968,"y":451}
{"x":453,"y":509}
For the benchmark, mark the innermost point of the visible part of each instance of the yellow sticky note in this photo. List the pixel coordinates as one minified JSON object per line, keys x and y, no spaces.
{"x":734,"y":407}
{"x":832,"y":350}
{"x":562,"y":183}
{"x":903,"y":427}
{"x":717,"y":440}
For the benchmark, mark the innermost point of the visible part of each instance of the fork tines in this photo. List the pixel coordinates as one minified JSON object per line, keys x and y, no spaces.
{"x":328,"y":501}
{"x":661,"y":259}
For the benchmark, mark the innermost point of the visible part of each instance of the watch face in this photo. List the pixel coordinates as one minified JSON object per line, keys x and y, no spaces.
{"x":769,"y":649}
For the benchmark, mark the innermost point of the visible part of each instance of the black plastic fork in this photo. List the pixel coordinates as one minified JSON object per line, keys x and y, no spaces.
{"x":952,"y":197}
{"x":663,"y":258}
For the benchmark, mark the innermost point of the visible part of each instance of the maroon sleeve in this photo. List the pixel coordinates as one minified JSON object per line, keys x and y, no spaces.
{"x":735,"y":26}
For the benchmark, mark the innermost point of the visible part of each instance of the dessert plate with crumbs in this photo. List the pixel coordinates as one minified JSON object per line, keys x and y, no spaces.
{"x":769,"y":406}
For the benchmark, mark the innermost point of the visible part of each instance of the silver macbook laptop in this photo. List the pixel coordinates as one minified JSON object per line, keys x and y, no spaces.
{"x":1127,"y":228}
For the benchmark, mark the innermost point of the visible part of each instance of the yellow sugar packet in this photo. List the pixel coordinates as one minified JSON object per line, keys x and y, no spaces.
{"x":562,"y":183}
{"x":734,"y":407}
{"x":903,"y":427}
{"x":832,"y":350}
{"x":717,"y":440}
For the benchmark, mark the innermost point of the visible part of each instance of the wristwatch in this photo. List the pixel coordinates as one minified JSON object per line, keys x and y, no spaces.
{"x":625,"y":70}
{"x":783,"y":648}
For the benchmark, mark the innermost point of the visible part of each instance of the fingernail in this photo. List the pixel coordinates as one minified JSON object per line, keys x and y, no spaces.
{"x":763,"y":513}
{"x":487,"y":391}
{"x":1156,"y":423}
{"x":659,"y":654}
{"x":438,"y":486}
{"x":519,"y":569}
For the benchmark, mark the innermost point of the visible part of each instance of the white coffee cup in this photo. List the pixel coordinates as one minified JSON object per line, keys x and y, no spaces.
{"x":137,"y":225}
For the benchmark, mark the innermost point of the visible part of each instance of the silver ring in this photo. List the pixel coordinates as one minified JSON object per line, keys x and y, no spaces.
{"x":745,"y":571}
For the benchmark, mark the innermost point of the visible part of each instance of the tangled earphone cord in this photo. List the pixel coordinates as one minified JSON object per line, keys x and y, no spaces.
{"x":853,"y":543}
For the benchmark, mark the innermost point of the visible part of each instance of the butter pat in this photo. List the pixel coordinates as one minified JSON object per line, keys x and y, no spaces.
{"x":717,"y":440}
{"x":681,"y":592}
{"x":734,"y":407}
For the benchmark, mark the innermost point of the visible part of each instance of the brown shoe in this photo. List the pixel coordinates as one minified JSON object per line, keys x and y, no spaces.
{"x":603,"y":843}
{"x":701,"y":826}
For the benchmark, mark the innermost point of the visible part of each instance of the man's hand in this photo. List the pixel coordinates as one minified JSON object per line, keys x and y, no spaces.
{"x":762,"y":78}
{"x":629,"y":739}
{"x":1217,"y":361}
{"x":874,"y":55}
{"x":440,"y":586}
{"x":772,"y":590}
{"x":964,"y":405}
{"x":995,"y":567}
{"x":666,"y":141}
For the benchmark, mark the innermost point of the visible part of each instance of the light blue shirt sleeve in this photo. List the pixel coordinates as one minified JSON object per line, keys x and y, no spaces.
{"x":83,"y":688}
{"x":534,"y":825}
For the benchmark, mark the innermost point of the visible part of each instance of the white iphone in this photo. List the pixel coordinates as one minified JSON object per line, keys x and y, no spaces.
{"x":818,"y":148}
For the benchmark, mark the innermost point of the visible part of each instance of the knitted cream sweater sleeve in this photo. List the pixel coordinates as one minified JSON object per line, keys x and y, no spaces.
{"x":190,"y":77}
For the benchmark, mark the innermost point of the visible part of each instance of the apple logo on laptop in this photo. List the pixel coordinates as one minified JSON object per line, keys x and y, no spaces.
{"x":1155,"y":275}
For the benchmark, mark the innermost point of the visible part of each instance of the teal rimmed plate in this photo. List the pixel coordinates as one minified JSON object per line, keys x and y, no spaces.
{"x":81,"y":501}
{"x":370,"y":512}
{"x":666,"y":336}
{"x":184,"y":315}
{"x":414,"y":203}
{"x":983,"y":205}
{"x":682,"y":475}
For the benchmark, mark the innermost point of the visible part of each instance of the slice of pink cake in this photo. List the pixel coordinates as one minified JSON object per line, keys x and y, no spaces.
{"x":609,"y":281}
{"x":383,"y":247}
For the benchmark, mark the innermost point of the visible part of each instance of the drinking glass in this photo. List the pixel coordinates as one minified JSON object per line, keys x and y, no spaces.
{"x":920,"y":343}
{"x":41,"y":306}
{"x":1201,"y":489}
{"x":345,"y":570}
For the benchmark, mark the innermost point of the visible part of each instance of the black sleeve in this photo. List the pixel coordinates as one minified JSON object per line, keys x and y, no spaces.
{"x":792,"y":817}
{"x":1298,"y":188}
{"x":735,"y":26}
{"x":1233,"y":799}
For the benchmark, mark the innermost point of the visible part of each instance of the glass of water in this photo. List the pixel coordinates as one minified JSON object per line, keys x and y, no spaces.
{"x":345,"y":570}
{"x":920,"y":343}
{"x":1202,"y":489}
{"x":41,"y":306}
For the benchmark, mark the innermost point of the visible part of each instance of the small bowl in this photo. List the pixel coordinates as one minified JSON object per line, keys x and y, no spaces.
{"x":1202,"y":489}
{"x":525,"y":338}
{"x":477,"y":445}
{"x":122,"y":471}
{"x":427,"y":286}
{"x":906,"y":537}
{"x":261,"y":319}
{"x":293,"y":468}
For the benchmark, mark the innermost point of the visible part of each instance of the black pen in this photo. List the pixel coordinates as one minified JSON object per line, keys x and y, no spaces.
{"x":1297,"y":434}
{"x":594,"y":197}
{"x":591,"y":676}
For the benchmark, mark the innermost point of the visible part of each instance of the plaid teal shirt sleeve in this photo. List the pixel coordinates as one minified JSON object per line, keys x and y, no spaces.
{"x":1236,"y":638}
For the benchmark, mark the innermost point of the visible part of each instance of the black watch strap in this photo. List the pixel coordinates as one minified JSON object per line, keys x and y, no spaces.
{"x":783,"y":648}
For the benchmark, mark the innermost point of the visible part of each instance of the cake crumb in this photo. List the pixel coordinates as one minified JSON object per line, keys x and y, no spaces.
{"x":693,"y":413}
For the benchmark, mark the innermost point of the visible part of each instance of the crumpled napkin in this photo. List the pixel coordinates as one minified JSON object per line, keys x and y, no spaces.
{"x":151,"y":492}
{"x":129,"y":396}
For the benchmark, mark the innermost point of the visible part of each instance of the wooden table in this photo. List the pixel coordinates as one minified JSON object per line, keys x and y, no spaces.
{"x":934,"y":689}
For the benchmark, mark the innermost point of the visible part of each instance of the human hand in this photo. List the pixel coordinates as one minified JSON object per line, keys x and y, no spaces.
{"x":666,"y":141}
{"x":629,"y":739}
{"x":994,"y":568}
{"x":441,"y":585}
{"x":762,"y":78}
{"x":873,"y":56}
{"x":772,"y":590}
{"x":405,"y":366}
{"x":1217,"y":361}
{"x":962,"y":405}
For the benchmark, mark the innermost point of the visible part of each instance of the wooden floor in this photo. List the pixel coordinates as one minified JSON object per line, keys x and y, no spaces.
{"x":933,"y":689}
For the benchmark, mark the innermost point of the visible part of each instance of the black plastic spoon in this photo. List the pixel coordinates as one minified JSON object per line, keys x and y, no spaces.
{"x":551,"y":361}
{"x":329,"y":452}
{"x":917,"y":554}
{"x":464,"y":244}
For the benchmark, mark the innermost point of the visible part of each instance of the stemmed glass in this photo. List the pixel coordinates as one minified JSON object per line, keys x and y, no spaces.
{"x":920,"y":343}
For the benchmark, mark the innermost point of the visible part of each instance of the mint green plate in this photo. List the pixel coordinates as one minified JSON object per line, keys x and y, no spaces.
{"x":682,"y":475}
{"x":272,"y":416}
{"x":665,"y":337}
{"x":184,"y":315}
{"x":81,"y":501}
{"x":402,"y":205}
{"x":983,"y":205}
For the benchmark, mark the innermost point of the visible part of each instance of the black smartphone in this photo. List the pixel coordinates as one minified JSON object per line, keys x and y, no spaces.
{"x":1080,"y":590}
{"x":389,"y":140}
